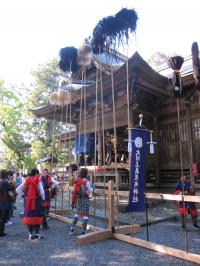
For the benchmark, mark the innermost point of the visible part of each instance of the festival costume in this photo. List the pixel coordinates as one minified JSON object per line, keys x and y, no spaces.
{"x":33,"y":196}
{"x":186,"y":207}
{"x":47,"y":182}
{"x":80,"y":199}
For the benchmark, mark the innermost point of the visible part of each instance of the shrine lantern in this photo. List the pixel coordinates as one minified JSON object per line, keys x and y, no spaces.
{"x":176,"y":63}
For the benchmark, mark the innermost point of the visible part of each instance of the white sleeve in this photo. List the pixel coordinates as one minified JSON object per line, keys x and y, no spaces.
{"x":41,"y":191}
{"x":55,"y":182}
{"x":88,"y":185}
{"x":20,"y":188}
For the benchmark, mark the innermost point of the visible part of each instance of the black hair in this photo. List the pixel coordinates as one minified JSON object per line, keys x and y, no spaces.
{"x":3,"y":174}
{"x":83,"y":173}
{"x":34,"y":172}
{"x":46,"y":169}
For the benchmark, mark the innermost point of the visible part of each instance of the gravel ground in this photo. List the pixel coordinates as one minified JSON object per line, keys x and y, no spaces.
{"x":60,"y":249}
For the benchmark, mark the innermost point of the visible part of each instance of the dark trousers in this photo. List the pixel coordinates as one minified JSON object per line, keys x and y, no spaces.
{"x":45,"y":215}
{"x":4,"y":214}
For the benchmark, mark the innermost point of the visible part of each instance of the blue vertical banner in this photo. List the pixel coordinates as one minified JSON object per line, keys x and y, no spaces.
{"x":138,"y":170}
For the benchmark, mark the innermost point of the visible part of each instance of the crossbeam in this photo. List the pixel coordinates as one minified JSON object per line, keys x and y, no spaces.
{"x":69,"y":221}
{"x":94,"y":236}
{"x":158,"y":196}
{"x":128,"y":229}
{"x":159,"y":248}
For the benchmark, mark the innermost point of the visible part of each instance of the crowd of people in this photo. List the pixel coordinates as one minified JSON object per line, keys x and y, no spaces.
{"x":37,"y":190}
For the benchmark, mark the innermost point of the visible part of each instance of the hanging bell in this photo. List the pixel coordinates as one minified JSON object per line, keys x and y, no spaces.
{"x":84,"y":54}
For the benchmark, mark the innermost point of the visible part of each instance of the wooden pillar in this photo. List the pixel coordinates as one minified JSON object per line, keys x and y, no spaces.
{"x":99,"y":146}
{"x":131,"y":124}
{"x":190,"y":146}
{"x":110,"y":205}
{"x":155,"y":124}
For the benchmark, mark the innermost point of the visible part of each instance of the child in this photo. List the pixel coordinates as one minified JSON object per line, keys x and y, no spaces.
{"x":80,"y":198}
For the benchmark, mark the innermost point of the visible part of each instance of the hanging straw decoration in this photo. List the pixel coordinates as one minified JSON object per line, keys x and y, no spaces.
{"x":114,"y":29}
{"x":176,"y":63}
{"x":196,"y":65}
{"x":53,"y":98}
{"x":60,"y":98}
{"x":68,"y":59}
{"x":84,"y":55}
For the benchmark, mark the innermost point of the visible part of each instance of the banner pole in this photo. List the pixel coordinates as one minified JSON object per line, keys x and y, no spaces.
{"x":146,"y":213}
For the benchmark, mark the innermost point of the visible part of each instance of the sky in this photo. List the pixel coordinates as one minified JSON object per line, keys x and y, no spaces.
{"x":33,"y":31}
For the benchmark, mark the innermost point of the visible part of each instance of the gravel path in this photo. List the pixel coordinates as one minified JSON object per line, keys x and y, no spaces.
{"x":60,"y":249}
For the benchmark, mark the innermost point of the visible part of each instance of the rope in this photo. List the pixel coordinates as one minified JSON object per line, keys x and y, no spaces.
{"x":95,"y":145}
{"x":129,"y":125}
{"x":61,"y":151}
{"x":80,"y":121}
{"x":114,"y":122}
{"x":70,"y":121}
{"x":103,"y":137}
{"x":84,"y":116}
{"x":53,"y":132}
{"x":181,"y":162}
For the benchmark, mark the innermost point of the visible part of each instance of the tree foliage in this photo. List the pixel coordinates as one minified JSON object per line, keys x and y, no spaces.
{"x":26,"y":138}
{"x":12,"y":124}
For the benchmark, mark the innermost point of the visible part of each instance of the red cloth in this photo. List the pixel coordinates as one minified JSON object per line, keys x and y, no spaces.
{"x":77,"y":188}
{"x":32,"y":190}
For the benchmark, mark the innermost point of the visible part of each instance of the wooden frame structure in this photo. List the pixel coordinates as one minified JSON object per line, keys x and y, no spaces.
{"x":120,"y":232}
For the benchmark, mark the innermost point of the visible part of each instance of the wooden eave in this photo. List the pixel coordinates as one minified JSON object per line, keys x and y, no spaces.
{"x":141,"y":77}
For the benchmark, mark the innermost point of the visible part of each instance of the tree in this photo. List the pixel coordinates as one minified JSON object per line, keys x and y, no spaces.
{"x":46,"y":80}
{"x":12,"y":121}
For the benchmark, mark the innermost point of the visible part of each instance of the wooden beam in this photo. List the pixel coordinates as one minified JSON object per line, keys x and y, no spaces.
{"x":60,"y":211}
{"x":157,"y":196}
{"x":94,"y":236}
{"x":128,"y":229}
{"x":159,"y":248}
{"x":172,"y":197}
{"x":69,"y":221}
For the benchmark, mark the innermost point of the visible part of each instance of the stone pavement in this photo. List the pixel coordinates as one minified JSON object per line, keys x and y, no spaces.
{"x":58,"y":248}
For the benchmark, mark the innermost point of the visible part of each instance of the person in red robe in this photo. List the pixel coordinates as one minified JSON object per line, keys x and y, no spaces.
{"x":34,"y":197}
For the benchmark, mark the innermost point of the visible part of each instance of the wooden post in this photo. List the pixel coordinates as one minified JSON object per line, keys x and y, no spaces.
{"x":155,"y":123}
{"x":76,"y":135}
{"x":99,"y":146}
{"x":110,"y":205}
{"x":190,"y":147}
{"x":131,"y":124}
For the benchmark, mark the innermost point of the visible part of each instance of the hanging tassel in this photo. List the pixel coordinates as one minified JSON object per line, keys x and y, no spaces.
{"x":176,"y":63}
{"x":151,"y":143}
